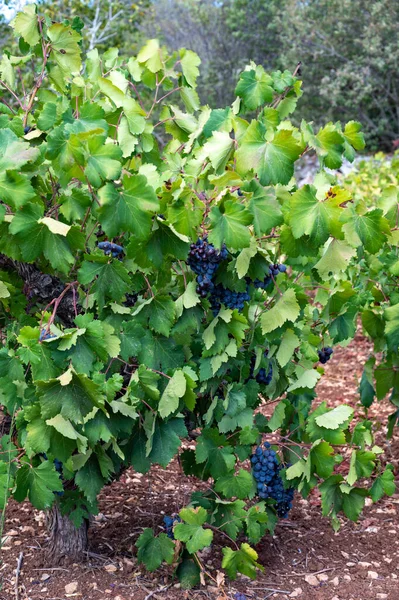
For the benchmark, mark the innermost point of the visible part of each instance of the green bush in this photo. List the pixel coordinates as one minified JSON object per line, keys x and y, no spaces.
{"x":119,"y":340}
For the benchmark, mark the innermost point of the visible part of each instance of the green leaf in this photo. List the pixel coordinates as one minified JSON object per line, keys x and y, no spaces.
{"x":288,"y":343}
{"x":213,"y":450}
{"x":160,"y":313}
{"x":175,"y":390}
{"x":128,"y":209}
{"x":241,"y":561}
{"x":188,"y":573}
{"x":313,"y":217}
{"x":38,"y":483}
{"x":111,"y":280}
{"x":103,"y":161}
{"x":230,"y":225}
{"x":254,"y":87}
{"x":191,"y":531}
{"x":15,"y":153}
{"x":150,"y":56}
{"x":384,"y":484}
{"x":73,"y":396}
{"x":322,"y":457}
{"x":235,"y":486}
{"x":89,"y":478}
{"x":334,"y":418}
{"x":15,"y":189}
{"x":335,"y":258}
{"x":65,"y":49}
{"x":152,"y":551}
{"x":166,"y":440}
{"x":307,"y":379}
{"x":369,"y":229}
{"x":189,"y":63}
{"x":218,"y":149}
{"x":272,"y":160}
{"x":391,"y":316}
{"x":259,"y":520}
{"x":26,"y":24}
{"x":285,"y":309}
{"x":362,"y":464}
{"x":264,"y":207}
{"x":353,"y":502}
{"x":278,"y":416}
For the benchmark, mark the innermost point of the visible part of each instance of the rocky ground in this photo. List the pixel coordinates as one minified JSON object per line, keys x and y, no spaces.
{"x":305,"y":559}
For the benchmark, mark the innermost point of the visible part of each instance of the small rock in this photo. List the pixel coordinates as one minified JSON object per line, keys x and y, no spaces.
{"x":28,"y":529}
{"x":110,"y":568}
{"x":312,"y":580}
{"x":376,"y":564}
{"x":393,"y":575}
{"x":335,"y":581}
{"x":45,"y":576}
{"x":388,"y":560}
{"x":322,"y":577}
{"x":382,"y":596}
{"x":344,"y":554}
{"x":297,"y":592}
{"x":347,"y":578}
{"x":12,"y":533}
{"x":372,"y":575}
{"x":335,"y":598}
{"x":364,"y":565}
{"x":372,"y":530}
{"x":351,"y":564}
{"x":71,"y":588}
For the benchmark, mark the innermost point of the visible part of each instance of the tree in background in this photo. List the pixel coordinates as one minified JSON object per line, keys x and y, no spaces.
{"x":225,"y":35}
{"x":349,"y":50}
{"x":103,"y":23}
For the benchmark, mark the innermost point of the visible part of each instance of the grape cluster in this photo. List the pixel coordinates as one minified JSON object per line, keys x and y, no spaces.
{"x":240,"y":596}
{"x":110,"y":248}
{"x":325,"y":355}
{"x":274,"y":270}
{"x":262,"y":376}
{"x":266,"y":470}
{"x":204,"y":260}
{"x":46,"y":335}
{"x":131,"y":300}
{"x":169,"y":523}
{"x":231,"y":299}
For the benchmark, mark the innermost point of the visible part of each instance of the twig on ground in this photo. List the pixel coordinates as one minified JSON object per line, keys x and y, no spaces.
{"x":17,"y":573}
{"x":158,"y":591}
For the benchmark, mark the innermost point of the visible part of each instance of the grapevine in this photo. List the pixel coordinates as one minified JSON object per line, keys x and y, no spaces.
{"x":142,"y":302}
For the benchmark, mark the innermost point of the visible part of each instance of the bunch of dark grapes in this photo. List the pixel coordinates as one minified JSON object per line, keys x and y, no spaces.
{"x":58,"y":468}
{"x":266,"y":471}
{"x":110,"y":248}
{"x":274,"y":270}
{"x":131,"y":300}
{"x":262,"y":376}
{"x":240,"y":596}
{"x":169,"y":523}
{"x":204,"y":260}
{"x":46,"y":335}
{"x":325,"y":355}
{"x":231,"y":299}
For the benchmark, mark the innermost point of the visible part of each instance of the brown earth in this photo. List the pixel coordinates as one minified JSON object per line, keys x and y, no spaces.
{"x":305,"y":559}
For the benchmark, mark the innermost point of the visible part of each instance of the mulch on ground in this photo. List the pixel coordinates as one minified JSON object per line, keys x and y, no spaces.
{"x":305,"y":559}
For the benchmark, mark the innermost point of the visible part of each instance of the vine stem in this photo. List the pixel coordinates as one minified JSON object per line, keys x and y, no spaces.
{"x":3,"y":83}
{"x":38,"y":84}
